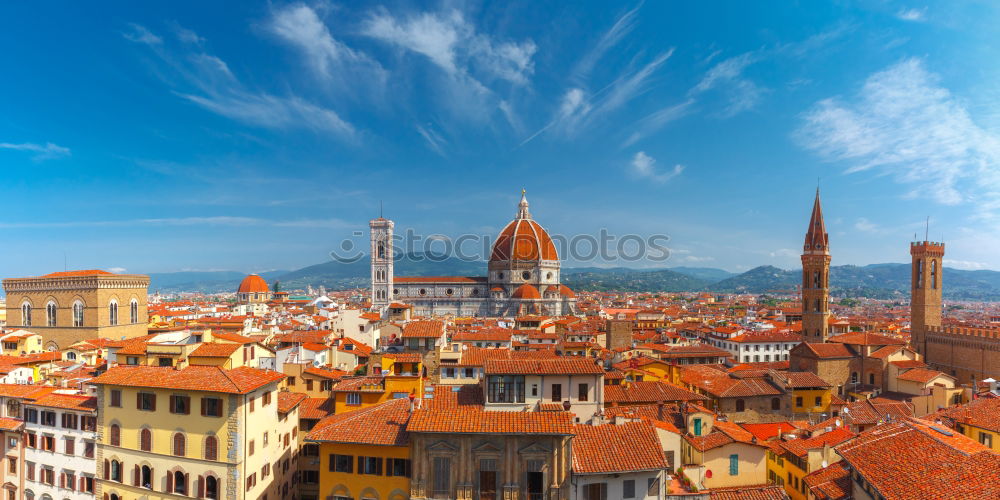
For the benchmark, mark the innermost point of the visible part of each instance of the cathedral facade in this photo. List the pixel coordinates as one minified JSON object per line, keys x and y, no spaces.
{"x":522,"y":277}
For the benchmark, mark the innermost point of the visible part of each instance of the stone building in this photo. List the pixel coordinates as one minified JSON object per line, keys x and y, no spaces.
{"x":816,"y":278}
{"x":70,"y":306}
{"x":523,"y":276}
{"x":965,"y":353}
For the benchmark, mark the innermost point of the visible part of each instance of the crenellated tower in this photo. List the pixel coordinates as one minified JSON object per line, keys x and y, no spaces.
{"x":381,"y":259}
{"x":925,"y":298}
{"x":816,"y":278}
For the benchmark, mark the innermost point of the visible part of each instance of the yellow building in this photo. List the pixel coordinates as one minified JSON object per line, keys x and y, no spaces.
{"x":399,"y":378}
{"x":717,"y":454}
{"x":792,"y":458}
{"x":365,"y":453}
{"x":21,"y":342}
{"x":197,"y":431}
{"x":976,"y":419}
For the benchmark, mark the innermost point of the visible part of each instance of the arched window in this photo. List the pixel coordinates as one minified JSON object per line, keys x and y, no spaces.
{"x":211,"y":448}
{"x":113,"y":313}
{"x":26,"y":314}
{"x":50,"y":313}
{"x":740,"y":405}
{"x":871,"y":378}
{"x":116,"y":435}
{"x":211,"y":488}
{"x":116,"y":471}
{"x":133,"y":311}
{"x":71,"y":356}
{"x":146,"y":478}
{"x":775,"y":403}
{"x":114,"y":496}
{"x":29,"y":495}
{"x":145,"y":440}
{"x":934,"y":273}
{"x":179,"y":444}
{"x":78,"y":313}
{"x":180,"y":483}
{"x":918,"y":274}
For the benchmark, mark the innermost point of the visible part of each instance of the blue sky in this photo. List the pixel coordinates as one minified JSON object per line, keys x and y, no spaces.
{"x":255,"y":136}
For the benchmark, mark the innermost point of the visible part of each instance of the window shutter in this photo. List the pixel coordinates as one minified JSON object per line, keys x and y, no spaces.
{"x":378,"y":466}
{"x":170,"y":482}
{"x":105,"y":496}
{"x":107,"y":470}
{"x":137,"y":477}
{"x":82,"y":484}
{"x":187,"y":483}
{"x":203,"y":407}
{"x":138,"y":401}
{"x":62,"y":479}
{"x":361,"y":464}
{"x":153,"y":405}
{"x":201,"y":486}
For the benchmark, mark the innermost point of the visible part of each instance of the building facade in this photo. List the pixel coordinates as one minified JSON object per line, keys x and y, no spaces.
{"x":70,"y":306}
{"x":60,"y":431}
{"x":523,"y":277}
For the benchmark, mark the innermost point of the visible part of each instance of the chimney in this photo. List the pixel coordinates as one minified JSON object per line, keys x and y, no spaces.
{"x":659,"y":411}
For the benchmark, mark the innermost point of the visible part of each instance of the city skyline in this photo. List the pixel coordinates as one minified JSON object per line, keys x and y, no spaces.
{"x":256,"y":137}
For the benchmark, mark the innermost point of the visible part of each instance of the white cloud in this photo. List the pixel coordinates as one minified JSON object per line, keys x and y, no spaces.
{"x":966,"y":264}
{"x":784,"y":252}
{"x":727,"y":76}
{"x":697,"y":259}
{"x":622,"y":27}
{"x":300,"y":26}
{"x":220,"y":92}
{"x":866,"y":225}
{"x":912,"y":14}
{"x":657,"y":119}
{"x":452,"y":43}
{"x":644,"y":167}
{"x":434,"y":140}
{"x":904,"y":124}
{"x":116,"y":270}
{"x":139,"y":34}
{"x":47,"y":151}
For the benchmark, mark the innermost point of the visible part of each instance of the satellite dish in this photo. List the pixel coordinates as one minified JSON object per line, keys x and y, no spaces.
{"x":824,"y":464}
{"x":465,"y":347}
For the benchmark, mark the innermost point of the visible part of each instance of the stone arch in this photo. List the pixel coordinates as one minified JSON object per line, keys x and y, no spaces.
{"x":341,"y":490}
{"x":52,"y":345}
{"x":369,"y":493}
{"x":398,"y":494}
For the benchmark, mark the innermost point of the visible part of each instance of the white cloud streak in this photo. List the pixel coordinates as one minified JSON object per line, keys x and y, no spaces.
{"x":904,"y":124}
{"x":42,"y":152}
{"x":622,"y":27}
{"x":914,"y":15}
{"x":727,"y":75}
{"x":139,"y":34}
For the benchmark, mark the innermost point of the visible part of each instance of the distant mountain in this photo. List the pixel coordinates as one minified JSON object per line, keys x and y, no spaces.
{"x":335,"y":274}
{"x":704,"y":273}
{"x":203,"y":281}
{"x":663,"y":280}
{"x":758,"y":280}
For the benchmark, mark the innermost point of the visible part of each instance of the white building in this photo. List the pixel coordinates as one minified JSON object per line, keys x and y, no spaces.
{"x":756,"y":347}
{"x":618,"y":462}
{"x":60,"y":434}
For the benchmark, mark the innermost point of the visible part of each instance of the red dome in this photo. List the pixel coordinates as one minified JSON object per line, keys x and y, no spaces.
{"x":566,"y":292}
{"x":526,"y":291}
{"x":524,"y":239}
{"x":253,"y":284}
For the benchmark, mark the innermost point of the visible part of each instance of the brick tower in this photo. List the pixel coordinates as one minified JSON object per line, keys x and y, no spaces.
{"x":925,"y":299}
{"x":816,"y":278}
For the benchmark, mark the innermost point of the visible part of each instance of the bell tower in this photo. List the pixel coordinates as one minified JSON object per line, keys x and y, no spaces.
{"x":925,"y":298}
{"x":381,"y":258}
{"x":816,"y":278}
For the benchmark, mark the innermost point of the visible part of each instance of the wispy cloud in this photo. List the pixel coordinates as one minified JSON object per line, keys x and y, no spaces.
{"x":644,"y":167}
{"x":741,"y":93}
{"x":966,"y":264}
{"x":47,"y":151}
{"x":866,"y":226}
{"x":658,"y":119}
{"x":139,"y":34}
{"x":117,"y":270}
{"x":300,"y":26}
{"x":218,"y":90}
{"x":622,"y":27}
{"x":917,"y":15}
{"x":903,"y":123}
{"x":434,"y":140}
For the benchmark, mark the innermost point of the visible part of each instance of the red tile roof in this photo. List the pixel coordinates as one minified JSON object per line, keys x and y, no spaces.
{"x":423,"y":329}
{"x":383,"y":424}
{"x":192,"y":378}
{"x":85,"y":272}
{"x":11,"y":424}
{"x":215,"y":350}
{"x":829,"y":350}
{"x":325,"y":372}
{"x":67,"y":402}
{"x":830,"y":483}
{"x":316,"y":408}
{"x":981,"y":412}
{"x":761,"y":492}
{"x":472,"y":421}
{"x":870,"y":411}
{"x":865,"y":338}
{"x":767,"y":431}
{"x":912,"y":459}
{"x":920,"y":375}
{"x":801,"y":447}
{"x":287,"y":401}
{"x":606,"y":449}
{"x":648,"y":392}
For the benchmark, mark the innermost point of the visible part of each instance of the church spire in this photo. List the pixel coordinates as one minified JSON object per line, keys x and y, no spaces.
{"x":522,"y":207}
{"x":816,"y":237}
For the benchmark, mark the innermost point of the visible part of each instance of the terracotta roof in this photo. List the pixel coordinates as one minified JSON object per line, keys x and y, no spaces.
{"x":801,"y":447}
{"x":11,"y":424}
{"x":804,"y":379}
{"x":767,"y":431}
{"x":557,"y":366}
{"x":921,"y":375}
{"x":458,"y":420}
{"x":215,"y":350}
{"x":760,"y":492}
{"x":830,"y":483}
{"x":981,"y":412}
{"x":423,"y":329}
{"x":383,"y":424}
{"x":526,"y":292}
{"x":648,"y":392}
{"x":709,"y":441}
{"x":829,"y":350}
{"x":316,"y":408}
{"x":523,"y":239}
{"x":192,"y":378}
{"x":67,"y":402}
{"x":23,"y":391}
{"x":865,"y":338}
{"x":404,"y":357}
{"x":253,"y":284}
{"x":913,"y":459}
{"x":287,"y":401}
{"x":908,"y":363}
{"x":356,"y":384}
{"x":233,"y":337}
{"x":86,"y":272}
{"x":870,"y":411}
{"x":885,"y":352}
{"x":605,"y":449}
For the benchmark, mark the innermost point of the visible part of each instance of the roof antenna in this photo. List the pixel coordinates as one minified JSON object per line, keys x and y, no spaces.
{"x":927,"y":228}
{"x":379,"y":209}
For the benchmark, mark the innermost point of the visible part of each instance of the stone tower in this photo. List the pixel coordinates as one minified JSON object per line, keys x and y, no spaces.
{"x":816,"y":278}
{"x":381,"y":257}
{"x":925,"y":299}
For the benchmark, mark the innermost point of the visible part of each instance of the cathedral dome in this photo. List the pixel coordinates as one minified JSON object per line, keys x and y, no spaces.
{"x":523,"y":239}
{"x":526,"y":291}
{"x":253,"y":284}
{"x":566,"y":292}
